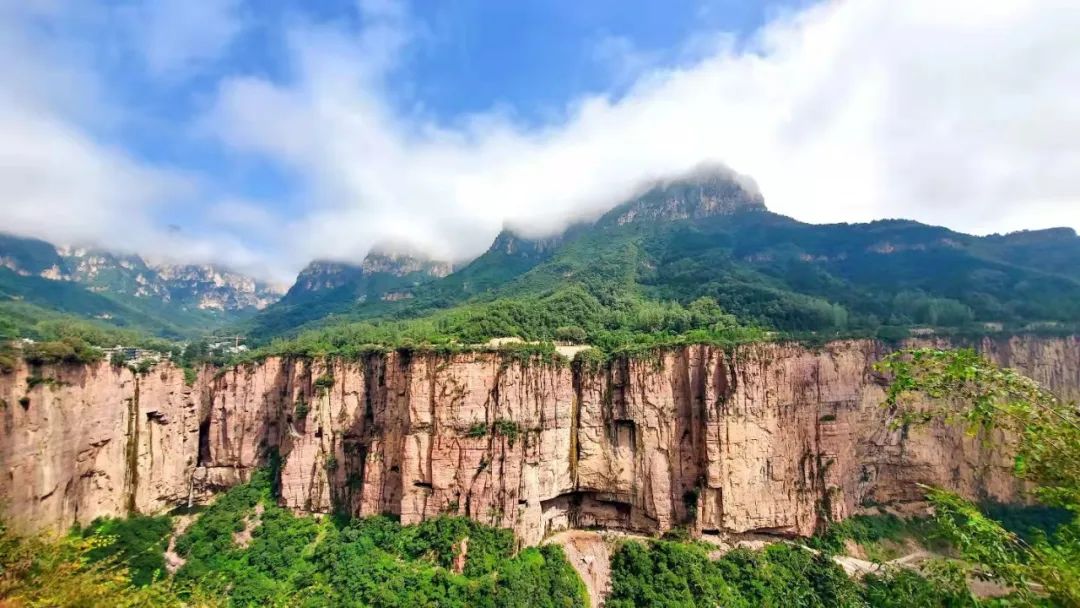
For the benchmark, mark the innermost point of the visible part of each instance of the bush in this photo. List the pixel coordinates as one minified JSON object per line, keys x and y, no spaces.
{"x":508,"y":429}
{"x":301,"y":410}
{"x":323,"y":382}
{"x":66,"y":350}
{"x":477,"y":430}
{"x":137,"y":542}
{"x":663,"y":573}
{"x":571,"y":334}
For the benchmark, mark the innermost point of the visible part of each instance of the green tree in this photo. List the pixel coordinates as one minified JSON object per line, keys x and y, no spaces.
{"x":962,"y":387}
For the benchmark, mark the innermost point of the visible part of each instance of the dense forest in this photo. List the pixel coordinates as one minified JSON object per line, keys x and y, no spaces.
{"x":244,"y":550}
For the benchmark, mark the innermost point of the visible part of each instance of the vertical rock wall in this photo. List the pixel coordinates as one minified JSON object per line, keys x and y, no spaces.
{"x":769,"y":437}
{"x":79,"y":442}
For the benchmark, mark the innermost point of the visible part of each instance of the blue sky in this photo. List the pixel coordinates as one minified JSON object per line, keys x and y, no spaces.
{"x":264,"y":134}
{"x":528,"y":58}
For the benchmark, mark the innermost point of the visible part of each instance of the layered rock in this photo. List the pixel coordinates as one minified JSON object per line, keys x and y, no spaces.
{"x":766,"y":437}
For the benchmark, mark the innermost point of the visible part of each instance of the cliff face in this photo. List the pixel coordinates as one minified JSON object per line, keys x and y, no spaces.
{"x":78,"y":442}
{"x":765,"y":438}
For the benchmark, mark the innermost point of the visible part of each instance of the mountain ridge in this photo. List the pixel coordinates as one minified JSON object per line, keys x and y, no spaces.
{"x":172,"y":300}
{"x":709,"y":236}
{"x":706,"y":235}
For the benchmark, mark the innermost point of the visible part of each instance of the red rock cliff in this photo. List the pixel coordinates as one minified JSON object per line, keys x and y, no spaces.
{"x":768,"y":437}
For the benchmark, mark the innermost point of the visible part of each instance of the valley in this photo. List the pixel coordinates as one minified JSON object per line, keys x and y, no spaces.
{"x":688,"y":366}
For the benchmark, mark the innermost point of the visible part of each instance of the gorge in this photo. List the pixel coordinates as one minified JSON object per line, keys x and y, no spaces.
{"x":767,"y":437}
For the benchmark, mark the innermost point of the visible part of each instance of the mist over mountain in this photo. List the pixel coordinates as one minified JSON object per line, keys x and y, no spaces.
{"x":708,"y":234}
{"x":704,"y":234}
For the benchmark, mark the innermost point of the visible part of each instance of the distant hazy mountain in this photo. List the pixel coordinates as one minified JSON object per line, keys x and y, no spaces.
{"x":324,"y":288}
{"x":125,"y":290}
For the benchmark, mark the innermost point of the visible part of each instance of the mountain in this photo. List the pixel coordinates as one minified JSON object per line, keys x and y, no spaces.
{"x":324,"y":288}
{"x":694,"y":252}
{"x":125,"y":290}
{"x":708,"y":236}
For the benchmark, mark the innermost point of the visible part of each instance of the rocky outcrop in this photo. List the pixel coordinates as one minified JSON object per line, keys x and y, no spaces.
{"x":382,"y":275}
{"x":204,"y":287}
{"x":766,"y":437}
{"x":79,"y":442}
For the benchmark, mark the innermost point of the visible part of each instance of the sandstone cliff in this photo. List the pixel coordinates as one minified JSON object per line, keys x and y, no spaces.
{"x":769,"y":437}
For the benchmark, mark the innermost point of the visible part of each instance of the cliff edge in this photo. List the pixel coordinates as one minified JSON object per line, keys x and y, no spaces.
{"x":773,"y":438}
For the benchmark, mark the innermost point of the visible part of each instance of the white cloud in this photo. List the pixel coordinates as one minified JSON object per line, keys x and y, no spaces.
{"x":961,"y":113}
{"x":61,"y":183}
{"x":178,"y":36}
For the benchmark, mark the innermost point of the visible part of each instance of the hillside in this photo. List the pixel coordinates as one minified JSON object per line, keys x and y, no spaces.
{"x":697,"y":253}
{"x":707,"y":238}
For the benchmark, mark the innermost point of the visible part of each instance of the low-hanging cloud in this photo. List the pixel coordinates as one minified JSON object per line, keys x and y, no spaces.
{"x":960,"y":113}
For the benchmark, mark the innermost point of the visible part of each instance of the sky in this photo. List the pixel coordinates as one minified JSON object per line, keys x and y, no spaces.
{"x":263,"y":134}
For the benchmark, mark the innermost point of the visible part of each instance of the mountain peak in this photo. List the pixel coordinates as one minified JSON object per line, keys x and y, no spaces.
{"x":385,"y":273}
{"x":707,"y":190}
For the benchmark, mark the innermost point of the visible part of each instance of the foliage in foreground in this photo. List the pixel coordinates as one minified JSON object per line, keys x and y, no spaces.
{"x":38,"y":571}
{"x":673,"y":574}
{"x":138,"y":543}
{"x":1043,"y":432}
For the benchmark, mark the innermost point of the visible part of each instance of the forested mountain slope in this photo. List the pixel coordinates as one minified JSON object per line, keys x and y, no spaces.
{"x":708,"y":238}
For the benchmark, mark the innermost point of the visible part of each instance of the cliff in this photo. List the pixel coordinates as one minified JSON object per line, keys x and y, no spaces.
{"x":767,"y":437}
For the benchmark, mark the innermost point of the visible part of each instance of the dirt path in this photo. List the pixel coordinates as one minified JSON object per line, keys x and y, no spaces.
{"x":173,"y":561}
{"x":590,"y":554}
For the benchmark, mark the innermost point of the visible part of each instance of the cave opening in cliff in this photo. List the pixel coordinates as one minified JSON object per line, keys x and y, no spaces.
{"x":204,"y":442}
{"x":584,"y":509}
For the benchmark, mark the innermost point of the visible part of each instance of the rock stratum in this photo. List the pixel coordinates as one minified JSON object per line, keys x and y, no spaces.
{"x":768,"y":438}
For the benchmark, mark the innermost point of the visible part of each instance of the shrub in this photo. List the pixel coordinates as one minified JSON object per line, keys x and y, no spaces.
{"x":571,"y":334}
{"x":477,"y":430}
{"x":508,"y":429}
{"x":67,"y":350}
{"x":301,"y":410}
{"x":324,"y":382}
{"x":143,"y":367}
{"x":137,"y":542}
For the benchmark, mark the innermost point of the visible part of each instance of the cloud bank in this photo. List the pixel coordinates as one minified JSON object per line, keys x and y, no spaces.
{"x":961,"y":113}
